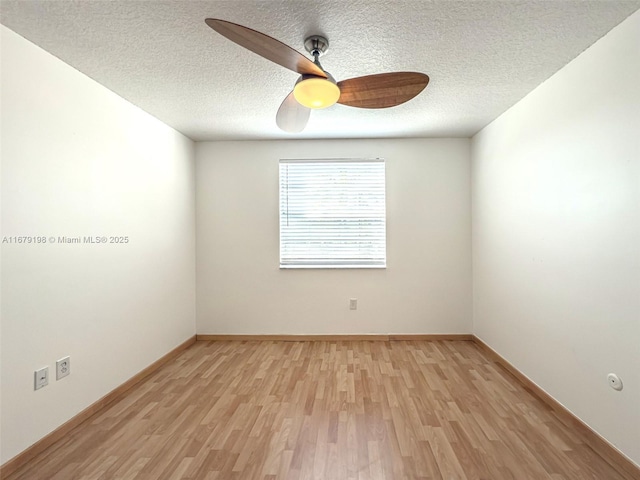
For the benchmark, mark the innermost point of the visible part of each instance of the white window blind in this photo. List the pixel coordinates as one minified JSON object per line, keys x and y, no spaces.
{"x":332,"y":214}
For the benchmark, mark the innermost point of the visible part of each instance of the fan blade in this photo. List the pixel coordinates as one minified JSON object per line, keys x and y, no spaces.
{"x":382,"y":90}
{"x":266,"y":47}
{"x":292,"y":117}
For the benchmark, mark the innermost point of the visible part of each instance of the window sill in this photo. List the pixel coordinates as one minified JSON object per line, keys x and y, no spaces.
{"x":331,"y":267}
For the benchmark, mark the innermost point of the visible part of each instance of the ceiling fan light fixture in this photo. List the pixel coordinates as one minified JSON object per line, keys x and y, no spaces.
{"x":316,"y":92}
{"x":316,"y":88}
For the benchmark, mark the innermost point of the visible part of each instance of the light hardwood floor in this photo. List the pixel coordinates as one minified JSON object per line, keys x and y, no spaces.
{"x":324,"y":410}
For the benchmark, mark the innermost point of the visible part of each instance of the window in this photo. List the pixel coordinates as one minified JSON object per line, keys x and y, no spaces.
{"x":332,"y":214}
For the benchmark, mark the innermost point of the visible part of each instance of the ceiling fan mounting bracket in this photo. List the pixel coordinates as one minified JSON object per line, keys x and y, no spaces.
{"x":316,"y":45}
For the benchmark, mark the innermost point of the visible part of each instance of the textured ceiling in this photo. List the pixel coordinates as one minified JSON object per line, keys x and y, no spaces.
{"x":482,"y":57}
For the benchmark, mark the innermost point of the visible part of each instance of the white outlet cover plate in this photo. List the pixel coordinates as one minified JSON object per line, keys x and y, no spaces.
{"x":63,"y":367}
{"x":41,"y":378}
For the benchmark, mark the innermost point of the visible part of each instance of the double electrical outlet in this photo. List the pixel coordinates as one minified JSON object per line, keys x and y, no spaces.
{"x":41,"y":376}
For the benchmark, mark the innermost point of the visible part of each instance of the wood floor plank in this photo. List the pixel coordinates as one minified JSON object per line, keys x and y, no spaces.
{"x":347,"y":409}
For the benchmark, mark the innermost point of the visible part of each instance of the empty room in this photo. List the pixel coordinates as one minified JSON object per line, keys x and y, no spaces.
{"x":284,"y":239}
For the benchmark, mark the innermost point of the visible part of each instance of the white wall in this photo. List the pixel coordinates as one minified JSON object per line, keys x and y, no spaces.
{"x":77,"y":160}
{"x":426,"y":287}
{"x":556,"y":235}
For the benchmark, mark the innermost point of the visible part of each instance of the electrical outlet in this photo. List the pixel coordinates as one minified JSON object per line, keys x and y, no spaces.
{"x":41,"y":378}
{"x":63,"y":367}
{"x":353,"y":304}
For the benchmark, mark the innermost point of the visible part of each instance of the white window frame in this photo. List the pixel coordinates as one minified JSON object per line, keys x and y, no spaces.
{"x":368,"y":253}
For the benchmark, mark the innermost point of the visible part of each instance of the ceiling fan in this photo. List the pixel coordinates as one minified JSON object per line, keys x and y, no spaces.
{"x":316,"y":88}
